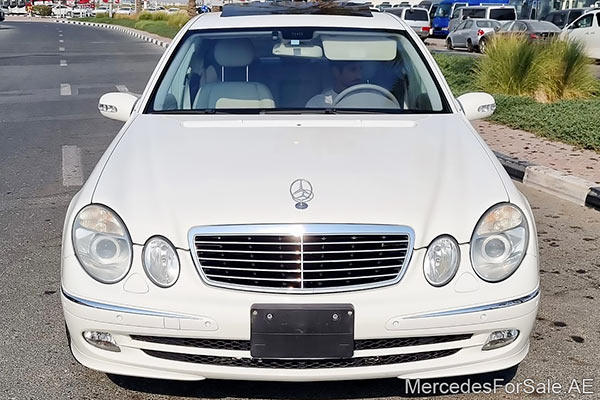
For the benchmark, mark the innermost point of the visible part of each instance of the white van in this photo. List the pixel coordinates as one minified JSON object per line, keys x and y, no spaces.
{"x":499,"y":13}
{"x":586,"y":29}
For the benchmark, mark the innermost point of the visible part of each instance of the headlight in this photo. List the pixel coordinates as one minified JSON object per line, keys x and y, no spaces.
{"x":102,"y":244}
{"x":441,"y":260}
{"x":499,"y":242}
{"x":161,"y":262}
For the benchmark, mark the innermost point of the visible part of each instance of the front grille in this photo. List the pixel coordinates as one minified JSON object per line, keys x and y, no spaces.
{"x":302,"y":364}
{"x":321,"y":258}
{"x":244,"y":345}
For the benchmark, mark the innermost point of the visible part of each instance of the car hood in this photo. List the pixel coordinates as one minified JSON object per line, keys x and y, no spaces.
{"x":171,"y":173}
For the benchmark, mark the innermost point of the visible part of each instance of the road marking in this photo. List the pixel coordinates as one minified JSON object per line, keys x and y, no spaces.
{"x":122,"y":88}
{"x":63,"y":63}
{"x":61,"y":49}
{"x":71,"y":166}
{"x":60,"y":35}
{"x":61,"y":41}
{"x":65,"y":89}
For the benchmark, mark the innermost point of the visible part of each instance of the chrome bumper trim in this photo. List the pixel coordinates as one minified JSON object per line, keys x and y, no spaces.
{"x":115,"y":308}
{"x":486,"y":307}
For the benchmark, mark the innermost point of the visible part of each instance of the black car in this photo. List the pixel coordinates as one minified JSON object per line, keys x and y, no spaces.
{"x":563,"y":18}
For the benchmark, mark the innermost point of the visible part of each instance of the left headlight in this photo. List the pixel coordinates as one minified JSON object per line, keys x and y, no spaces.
{"x":161,"y":262}
{"x":499,"y":242}
{"x":102,"y":244}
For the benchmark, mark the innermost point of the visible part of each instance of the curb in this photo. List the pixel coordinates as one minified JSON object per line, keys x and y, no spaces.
{"x":117,"y":28}
{"x":558,"y":183}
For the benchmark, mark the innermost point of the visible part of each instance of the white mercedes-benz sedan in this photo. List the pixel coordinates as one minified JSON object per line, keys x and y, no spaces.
{"x":297,"y":196}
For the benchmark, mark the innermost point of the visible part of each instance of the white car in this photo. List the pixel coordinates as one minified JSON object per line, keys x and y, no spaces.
{"x":100,"y":10}
{"x":298,"y":198}
{"x":587,"y":30}
{"x":124,"y":11}
{"x":79,"y":12}
{"x":60,"y":11}
{"x":417,"y":18}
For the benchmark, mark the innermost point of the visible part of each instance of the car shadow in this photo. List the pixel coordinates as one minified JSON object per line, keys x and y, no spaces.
{"x":371,"y":389}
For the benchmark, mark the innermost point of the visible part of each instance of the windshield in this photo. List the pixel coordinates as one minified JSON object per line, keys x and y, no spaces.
{"x":304,"y":70}
{"x":416,"y":15}
{"x":503,"y":14}
{"x":443,"y":10}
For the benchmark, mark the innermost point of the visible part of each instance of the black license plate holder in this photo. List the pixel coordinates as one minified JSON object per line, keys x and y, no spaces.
{"x":297,"y":331}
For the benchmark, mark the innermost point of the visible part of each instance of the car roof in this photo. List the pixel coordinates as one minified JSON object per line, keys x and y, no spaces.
{"x":214,"y":20}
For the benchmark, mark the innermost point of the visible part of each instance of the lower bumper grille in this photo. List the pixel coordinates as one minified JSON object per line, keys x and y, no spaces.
{"x":301,"y":364}
{"x":244,"y":345}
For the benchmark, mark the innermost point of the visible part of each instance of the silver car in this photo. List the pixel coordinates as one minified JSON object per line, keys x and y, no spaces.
{"x":415,"y":17}
{"x":468,"y":33}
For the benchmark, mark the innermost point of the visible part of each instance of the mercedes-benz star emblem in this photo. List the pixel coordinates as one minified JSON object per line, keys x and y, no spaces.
{"x":302,"y":192}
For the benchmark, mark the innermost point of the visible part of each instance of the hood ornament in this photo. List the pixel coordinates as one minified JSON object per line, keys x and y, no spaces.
{"x":302,"y":192}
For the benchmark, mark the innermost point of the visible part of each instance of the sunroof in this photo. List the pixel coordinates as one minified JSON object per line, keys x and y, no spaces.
{"x":293,"y":8}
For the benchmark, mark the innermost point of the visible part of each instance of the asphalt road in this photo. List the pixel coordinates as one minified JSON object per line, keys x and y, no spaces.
{"x":37,"y":121}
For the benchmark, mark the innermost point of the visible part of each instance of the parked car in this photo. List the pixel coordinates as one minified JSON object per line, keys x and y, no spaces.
{"x":2,"y":15}
{"x":60,"y":11}
{"x":284,"y":202}
{"x":587,"y":30}
{"x":79,"y":12}
{"x":467,"y":34}
{"x":124,"y":11}
{"x":498,"y":13}
{"x":447,"y":8}
{"x":416,"y":18}
{"x":531,"y":28}
{"x":100,"y":10}
{"x":563,"y":18}
{"x":174,"y":10}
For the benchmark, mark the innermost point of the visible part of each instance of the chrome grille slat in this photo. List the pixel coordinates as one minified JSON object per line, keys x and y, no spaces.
{"x":302,"y":258}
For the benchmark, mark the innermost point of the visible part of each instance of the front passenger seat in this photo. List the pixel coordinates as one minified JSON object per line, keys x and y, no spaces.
{"x":231,"y":53}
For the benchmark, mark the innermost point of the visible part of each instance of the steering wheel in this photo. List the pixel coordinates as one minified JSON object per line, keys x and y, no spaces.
{"x":369,"y":88}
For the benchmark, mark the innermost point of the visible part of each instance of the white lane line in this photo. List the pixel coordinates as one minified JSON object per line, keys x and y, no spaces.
{"x":65,"y":89}
{"x":60,"y":35}
{"x":63,"y":63}
{"x":71,"y":166}
{"x":61,"y":41}
{"x":122,"y":88}
{"x":61,"y":49}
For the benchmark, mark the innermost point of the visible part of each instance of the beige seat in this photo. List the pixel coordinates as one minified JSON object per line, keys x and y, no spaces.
{"x":231,"y":53}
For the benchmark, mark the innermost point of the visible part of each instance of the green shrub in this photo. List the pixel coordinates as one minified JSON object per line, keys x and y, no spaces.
{"x":160,"y":16}
{"x":102,"y":15}
{"x":145,"y":15}
{"x":178,"y":20}
{"x":512,"y":66}
{"x":44,"y":11}
{"x":566,"y":73}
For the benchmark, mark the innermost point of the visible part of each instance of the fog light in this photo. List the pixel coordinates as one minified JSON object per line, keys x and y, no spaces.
{"x":499,"y":339}
{"x":101,"y":340}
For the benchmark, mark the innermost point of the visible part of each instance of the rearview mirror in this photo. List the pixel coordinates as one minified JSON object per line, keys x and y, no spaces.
{"x":477,"y":105}
{"x":117,"y":106}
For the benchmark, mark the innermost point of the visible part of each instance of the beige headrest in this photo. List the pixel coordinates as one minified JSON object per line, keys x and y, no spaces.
{"x":234,"y":52}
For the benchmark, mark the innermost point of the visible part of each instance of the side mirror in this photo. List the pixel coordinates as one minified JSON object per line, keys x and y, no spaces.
{"x":477,"y":105}
{"x":117,"y":105}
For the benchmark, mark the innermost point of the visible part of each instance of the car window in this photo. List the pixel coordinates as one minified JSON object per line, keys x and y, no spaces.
{"x":559,"y":19}
{"x":461,"y":25}
{"x":573,"y":15}
{"x":506,"y":27}
{"x":474,"y":12}
{"x":518,"y":27}
{"x":468,"y":24}
{"x":503,"y":14}
{"x":598,"y":18}
{"x":487,"y":24}
{"x":456,"y":13}
{"x":270,"y":69}
{"x":416,"y":15}
{"x":443,"y":10}
{"x":583,"y":22}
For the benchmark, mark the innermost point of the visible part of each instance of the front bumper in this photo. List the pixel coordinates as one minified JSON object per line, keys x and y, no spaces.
{"x":187,"y":362}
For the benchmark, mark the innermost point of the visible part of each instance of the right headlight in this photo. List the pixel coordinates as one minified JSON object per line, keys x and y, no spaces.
{"x":499,"y":242}
{"x":102,"y":244}
{"x":160,"y":261}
